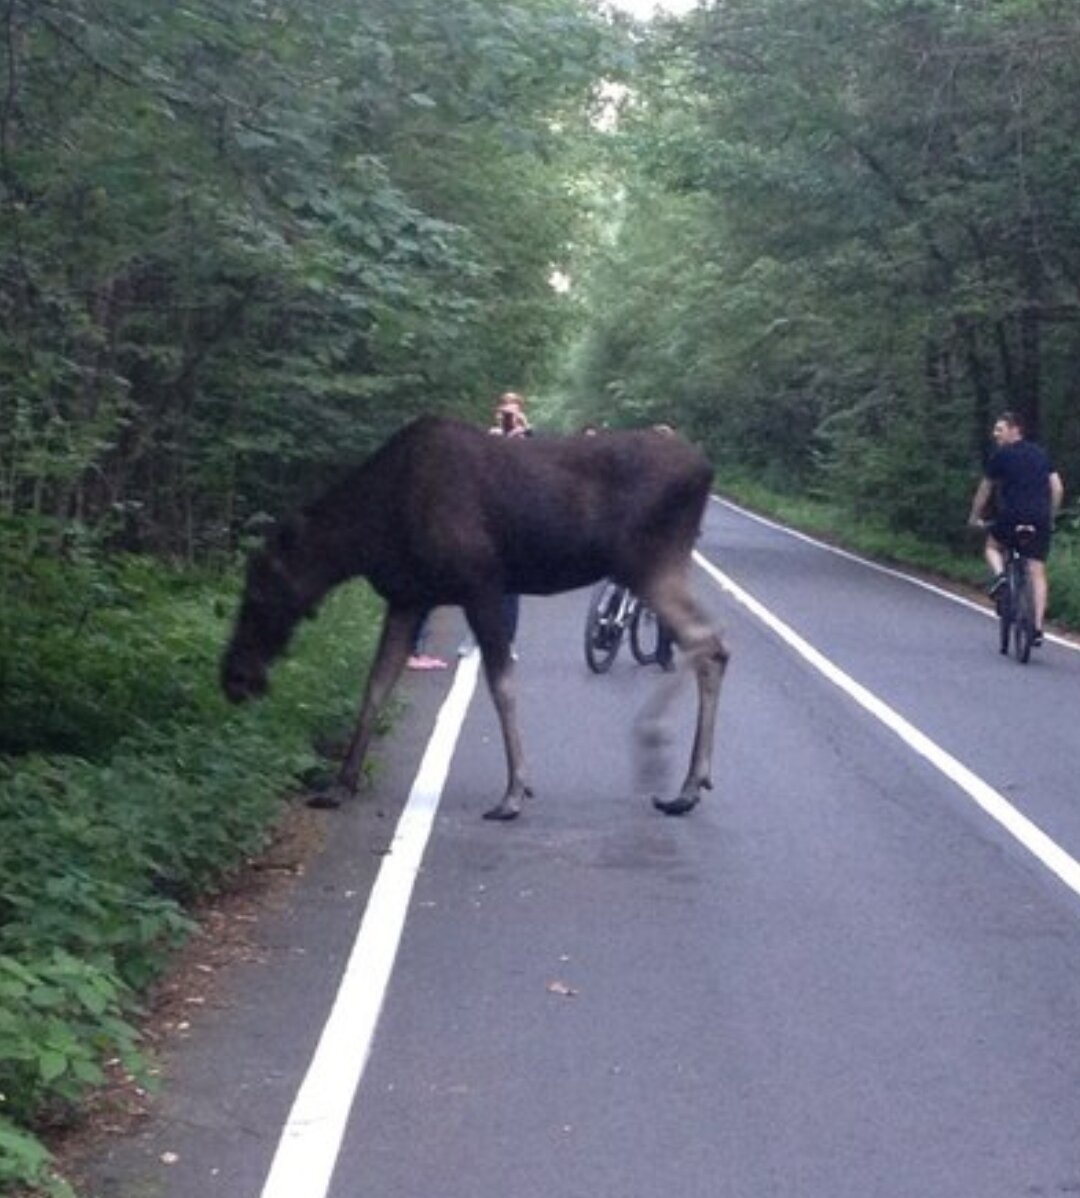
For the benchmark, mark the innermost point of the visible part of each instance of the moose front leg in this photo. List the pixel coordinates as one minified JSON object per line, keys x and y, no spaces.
{"x":517,"y":786}
{"x":395,"y":643}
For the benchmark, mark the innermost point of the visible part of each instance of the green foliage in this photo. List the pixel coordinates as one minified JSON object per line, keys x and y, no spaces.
{"x":239,"y":244}
{"x":24,"y":1161}
{"x":847,"y":239}
{"x":98,"y":857}
{"x":60,"y":1018}
{"x":66,"y":686}
{"x":879,"y":459}
{"x":243,"y":242}
{"x":1065,"y":573}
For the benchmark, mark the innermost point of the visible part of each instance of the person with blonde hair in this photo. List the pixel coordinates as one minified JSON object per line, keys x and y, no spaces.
{"x":510,"y":421}
{"x":510,"y":418}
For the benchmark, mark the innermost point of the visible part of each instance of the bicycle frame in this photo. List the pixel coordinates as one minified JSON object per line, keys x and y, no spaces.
{"x":614,"y":613}
{"x":625,"y":613}
{"x":1015,"y":601}
{"x":610,"y":611}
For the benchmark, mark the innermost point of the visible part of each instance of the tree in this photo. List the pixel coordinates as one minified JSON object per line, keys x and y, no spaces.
{"x":244,"y":241}
{"x":877,"y":237}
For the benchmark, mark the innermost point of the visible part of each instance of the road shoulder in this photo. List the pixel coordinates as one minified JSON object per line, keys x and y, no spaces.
{"x":235,"y":1022}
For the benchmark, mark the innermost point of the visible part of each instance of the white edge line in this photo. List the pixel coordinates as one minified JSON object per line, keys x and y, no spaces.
{"x":891,"y":571}
{"x":311,"y":1140}
{"x":992,"y":802}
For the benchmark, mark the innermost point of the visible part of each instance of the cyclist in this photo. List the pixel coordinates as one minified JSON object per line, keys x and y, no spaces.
{"x":1027,"y":490}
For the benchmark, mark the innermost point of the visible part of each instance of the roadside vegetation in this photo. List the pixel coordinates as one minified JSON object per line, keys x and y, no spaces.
{"x":846,"y":238}
{"x":128,"y":788}
{"x":241,"y":242}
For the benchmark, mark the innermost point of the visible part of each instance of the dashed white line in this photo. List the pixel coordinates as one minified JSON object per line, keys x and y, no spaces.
{"x":992,"y":802}
{"x":311,"y":1140}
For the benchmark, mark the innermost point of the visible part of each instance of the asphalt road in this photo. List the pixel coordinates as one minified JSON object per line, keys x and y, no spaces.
{"x":840,"y":976}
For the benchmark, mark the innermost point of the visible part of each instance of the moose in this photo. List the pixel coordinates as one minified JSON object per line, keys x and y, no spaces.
{"x":445,"y":515}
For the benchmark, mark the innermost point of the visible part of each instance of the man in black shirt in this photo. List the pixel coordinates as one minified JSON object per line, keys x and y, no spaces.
{"x":1027,"y":490}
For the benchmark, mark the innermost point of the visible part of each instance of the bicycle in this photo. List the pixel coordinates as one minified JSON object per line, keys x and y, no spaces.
{"x":1014,"y":598}
{"x":613,"y":611}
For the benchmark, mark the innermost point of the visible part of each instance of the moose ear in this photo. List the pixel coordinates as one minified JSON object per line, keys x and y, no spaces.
{"x":289,"y":534}
{"x":256,"y":531}
{"x":259,"y":524}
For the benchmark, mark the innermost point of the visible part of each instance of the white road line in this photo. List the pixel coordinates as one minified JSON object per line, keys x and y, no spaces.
{"x":311,"y":1140}
{"x":1045,"y":850}
{"x":952,"y":596}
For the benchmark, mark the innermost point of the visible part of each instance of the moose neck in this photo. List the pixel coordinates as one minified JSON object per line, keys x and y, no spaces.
{"x":331,"y":549}
{"x":346,"y":530}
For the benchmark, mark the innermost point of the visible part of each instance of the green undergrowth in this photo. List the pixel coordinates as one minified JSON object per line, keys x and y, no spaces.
{"x":128,"y":786}
{"x":957,"y":558}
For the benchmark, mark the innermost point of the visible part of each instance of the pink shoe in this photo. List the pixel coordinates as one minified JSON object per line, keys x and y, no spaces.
{"x":421,"y":661}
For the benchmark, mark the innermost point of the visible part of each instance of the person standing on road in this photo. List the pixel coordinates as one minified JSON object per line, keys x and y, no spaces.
{"x":510,"y":418}
{"x":419,"y":659}
{"x":1027,"y":489}
{"x":510,"y":421}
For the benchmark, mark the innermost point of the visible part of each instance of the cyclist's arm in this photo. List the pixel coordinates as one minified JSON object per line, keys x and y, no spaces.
{"x":1057,"y":493}
{"x":979,"y":501}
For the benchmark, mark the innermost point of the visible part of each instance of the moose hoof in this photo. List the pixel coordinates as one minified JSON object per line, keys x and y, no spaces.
{"x":504,"y":812}
{"x":510,"y":806}
{"x":679,"y":805}
{"x":328,"y":799}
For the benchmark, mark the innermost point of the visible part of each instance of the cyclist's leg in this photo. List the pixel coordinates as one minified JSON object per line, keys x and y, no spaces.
{"x":994,"y":554}
{"x":1037,"y":551}
{"x":665,"y":646}
{"x":511,"y":606}
{"x":1039,"y":590}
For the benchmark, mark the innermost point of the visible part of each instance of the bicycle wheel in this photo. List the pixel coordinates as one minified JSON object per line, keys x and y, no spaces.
{"x":1003,"y":602}
{"x":1005,"y":624}
{"x":603,"y":631}
{"x":644,"y":634}
{"x":1023,"y":614}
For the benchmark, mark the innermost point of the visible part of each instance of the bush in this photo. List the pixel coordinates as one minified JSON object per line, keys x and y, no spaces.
{"x":24,"y":1161}
{"x":1064,"y":567}
{"x":172,"y":791}
{"x":97,"y":649}
{"x":60,"y":1017}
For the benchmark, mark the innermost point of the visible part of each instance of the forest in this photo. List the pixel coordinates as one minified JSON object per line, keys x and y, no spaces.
{"x":240,"y":243}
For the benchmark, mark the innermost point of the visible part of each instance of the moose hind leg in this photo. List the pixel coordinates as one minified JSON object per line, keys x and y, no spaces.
{"x":707,"y":655}
{"x":709,"y":669}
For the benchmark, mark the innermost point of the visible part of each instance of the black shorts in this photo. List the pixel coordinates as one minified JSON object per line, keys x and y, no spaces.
{"x":1036,"y":545}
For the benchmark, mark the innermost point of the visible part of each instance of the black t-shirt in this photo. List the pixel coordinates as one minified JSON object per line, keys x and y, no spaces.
{"x":1021,"y":472}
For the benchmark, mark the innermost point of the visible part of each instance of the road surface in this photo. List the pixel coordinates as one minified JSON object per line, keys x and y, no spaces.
{"x":853,"y":971}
